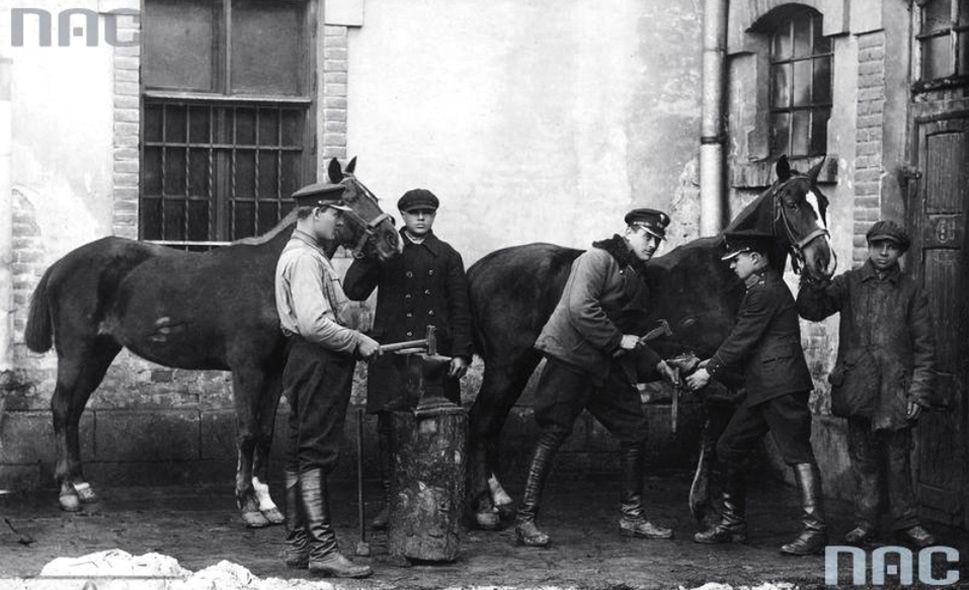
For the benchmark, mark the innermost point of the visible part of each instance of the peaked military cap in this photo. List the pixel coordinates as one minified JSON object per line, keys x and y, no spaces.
{"x":321,"y":194}
{"x":653,"y":221}
{"x":747,"y":240}
{"x":889,"y":230}
{"x":418,"y":198}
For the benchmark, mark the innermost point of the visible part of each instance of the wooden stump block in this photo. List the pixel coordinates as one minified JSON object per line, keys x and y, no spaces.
{"x":429,"y":477}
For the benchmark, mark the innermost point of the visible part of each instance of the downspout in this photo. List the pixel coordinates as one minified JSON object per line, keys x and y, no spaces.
{"x":711,"y":117}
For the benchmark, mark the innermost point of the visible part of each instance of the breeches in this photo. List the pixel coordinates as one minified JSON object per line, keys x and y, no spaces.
{"x":787,"y":418}
{"x":316,"y":383}
{"x":564,"y":391}
{"x":882,"y":453}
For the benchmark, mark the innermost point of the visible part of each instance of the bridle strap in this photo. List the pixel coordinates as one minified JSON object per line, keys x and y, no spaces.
{"x":369,"y":228}
{"x":795,"y":245}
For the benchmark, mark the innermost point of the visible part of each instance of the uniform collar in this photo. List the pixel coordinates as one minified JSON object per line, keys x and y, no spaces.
{"x":761,"y":277}
{"x":868,"y":272}
{"x":306,"y":238}
{"x":430,"y":241}
{"x":618,"y":247}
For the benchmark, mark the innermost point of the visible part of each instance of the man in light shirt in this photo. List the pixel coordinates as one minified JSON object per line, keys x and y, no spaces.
{"x":317,"y":377}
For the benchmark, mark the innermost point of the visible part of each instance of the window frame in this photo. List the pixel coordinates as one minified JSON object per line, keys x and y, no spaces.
{"x":224,"y":96}
{"x":953,"y":31}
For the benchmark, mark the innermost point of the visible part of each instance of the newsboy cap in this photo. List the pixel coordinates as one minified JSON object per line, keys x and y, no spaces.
{"x":889,"y":230}
{"x":653,"y":221}
{"x":320,"y":194}
{"x":418,"y":198}
{"x":747,"y":240}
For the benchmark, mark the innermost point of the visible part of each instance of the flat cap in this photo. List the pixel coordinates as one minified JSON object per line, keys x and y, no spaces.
{"x":653,"y":221}
{"x":319,"y":194}
{"x":889,"y":230}
{"x":737,"y":242}
{"x":418,"y":198}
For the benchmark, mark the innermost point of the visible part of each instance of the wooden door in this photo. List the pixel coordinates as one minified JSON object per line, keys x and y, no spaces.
{"x":939,"y":258}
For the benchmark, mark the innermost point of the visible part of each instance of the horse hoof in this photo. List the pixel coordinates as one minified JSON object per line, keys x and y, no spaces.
{"x":254,"y":520}
{"x":85,"y":493}
{"x":69,"y":502}
{"x":488,"y":521}
{"x":274,"y":516}
{"x":506,"y":512}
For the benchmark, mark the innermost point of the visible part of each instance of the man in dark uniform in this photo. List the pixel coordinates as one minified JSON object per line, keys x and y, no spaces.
{"x":884,"y":375}
{"x":767,"y":340}
{"x":316,"y":379}
{"x":425,"y":285}
{"x":583,"y":342}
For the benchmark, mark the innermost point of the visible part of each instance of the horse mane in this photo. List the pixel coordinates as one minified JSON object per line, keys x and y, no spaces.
{"x":747,"y":214}
{"x":284,"y":223}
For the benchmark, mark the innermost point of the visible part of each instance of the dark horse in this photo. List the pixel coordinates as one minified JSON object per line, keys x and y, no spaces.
{"x":211,"y":310}
{"x":514,"y":290}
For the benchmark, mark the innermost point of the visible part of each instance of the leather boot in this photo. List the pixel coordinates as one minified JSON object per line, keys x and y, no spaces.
{"x":297,"y":552}
{"x":732,"y":527}
{"x":324,"y":556}
{"x":526,"y":530}
{"x":632,"y":522}
{"x":385,"y":439}
{"x":814,"y":535}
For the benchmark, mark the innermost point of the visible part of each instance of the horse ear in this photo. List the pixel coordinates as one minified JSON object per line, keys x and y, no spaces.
{"x":815,"y":170}
{"x":351,"y":166}
{"x":783,"y":168}
{"x":334,"y":171}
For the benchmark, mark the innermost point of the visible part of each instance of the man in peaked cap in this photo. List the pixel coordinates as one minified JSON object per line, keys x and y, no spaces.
{"x":425,"y":285}
{"x":316,"y":379}
{"x":590,"y":333}
{"x":883,"y":377}
{"x":767,"y":340}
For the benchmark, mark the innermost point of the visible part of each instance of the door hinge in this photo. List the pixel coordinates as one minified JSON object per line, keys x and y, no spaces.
{"x":909,"y":172}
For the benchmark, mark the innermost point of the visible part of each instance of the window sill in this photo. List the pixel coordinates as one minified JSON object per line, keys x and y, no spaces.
{"x":940,"y":84}
{"x":202,"y":96}
{"x":760,"y":174}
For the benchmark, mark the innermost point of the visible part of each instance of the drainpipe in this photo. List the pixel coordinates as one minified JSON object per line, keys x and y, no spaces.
{"x":711,"y":117}
{"x":6,"y":215}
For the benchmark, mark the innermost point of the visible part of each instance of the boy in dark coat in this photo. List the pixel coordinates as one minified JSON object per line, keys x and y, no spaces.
{"x":425,"y":285}
{"x":767,"y":340}
{"x":582,"y":342}
{"x":883,"y":376}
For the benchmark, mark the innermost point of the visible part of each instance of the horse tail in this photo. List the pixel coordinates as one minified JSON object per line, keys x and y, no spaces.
{"x":39,"y":332}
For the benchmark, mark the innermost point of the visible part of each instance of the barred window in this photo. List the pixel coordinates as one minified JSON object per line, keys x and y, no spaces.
{"x":943,"y":39}
{"x":800,"y":78}
{"x":227,"y":117}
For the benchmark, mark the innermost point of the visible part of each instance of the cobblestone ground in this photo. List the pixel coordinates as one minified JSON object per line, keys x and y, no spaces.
{"x":200,"y":527}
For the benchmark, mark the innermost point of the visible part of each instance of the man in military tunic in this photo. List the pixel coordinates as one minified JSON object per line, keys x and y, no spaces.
{"x":316,"y":379}
{"x":583,"y":341}
{"x":766,"y":339}
{"x":425,"y":285}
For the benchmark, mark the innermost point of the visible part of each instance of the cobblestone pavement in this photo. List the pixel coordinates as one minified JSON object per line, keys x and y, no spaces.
{"x":200,"y":527}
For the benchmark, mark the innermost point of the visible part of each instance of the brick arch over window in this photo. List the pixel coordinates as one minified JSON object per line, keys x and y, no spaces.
{"x":744,"y":16}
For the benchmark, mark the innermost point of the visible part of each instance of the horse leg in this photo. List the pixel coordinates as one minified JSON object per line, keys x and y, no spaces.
{"x":503,"y":383}
{"x":701,"y":494}
{"x":248,"y":384}
{"x":79,"y":373}
{"x":266,"y":421}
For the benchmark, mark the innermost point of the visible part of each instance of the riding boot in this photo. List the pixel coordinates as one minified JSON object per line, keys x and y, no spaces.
{"x":541,"y":464}
{"x":733,"y":518}
{"x":385,"y":439}
{"x":814,"y":535}
{"x":632,"y":522}
{"x":324,"y":556}
{"x":297,"y":552}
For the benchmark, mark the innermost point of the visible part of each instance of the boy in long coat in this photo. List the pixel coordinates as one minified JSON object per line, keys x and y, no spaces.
{"x":883,"y":376}
{"x":425,"y":285}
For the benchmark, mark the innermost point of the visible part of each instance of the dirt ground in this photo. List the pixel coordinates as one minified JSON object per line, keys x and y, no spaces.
{"x":200,"y":527}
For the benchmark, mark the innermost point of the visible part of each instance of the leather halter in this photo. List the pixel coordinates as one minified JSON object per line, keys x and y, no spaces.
{"x":369,"y":227}
{"x":796,"y":246}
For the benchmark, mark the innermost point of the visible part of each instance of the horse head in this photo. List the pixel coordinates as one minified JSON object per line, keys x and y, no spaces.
{"x":370,"y":231}
{"x":794,"y":211}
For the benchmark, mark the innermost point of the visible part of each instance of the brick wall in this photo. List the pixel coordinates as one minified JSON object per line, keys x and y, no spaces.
{"x":869,"y":146}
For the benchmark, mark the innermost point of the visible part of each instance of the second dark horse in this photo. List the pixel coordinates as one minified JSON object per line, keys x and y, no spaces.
{"x":211,"y":310}
{"x":514,"y":290}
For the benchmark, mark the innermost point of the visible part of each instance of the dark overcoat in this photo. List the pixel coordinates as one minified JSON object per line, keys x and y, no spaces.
{"x":425,"y":285}
{"x":766,"y":340}
{"x":604,"y":297}
{"x":887,"y":318}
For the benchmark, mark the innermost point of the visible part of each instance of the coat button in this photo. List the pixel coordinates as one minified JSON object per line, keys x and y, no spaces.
{"x":407,"y":296}
{"x":431,"y":272}
{"x":430,"y":312}
{"x":410,"y":315}
{"x":409,"y":274}
{"x":410,"y":333}
{"x":427,"y":291}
